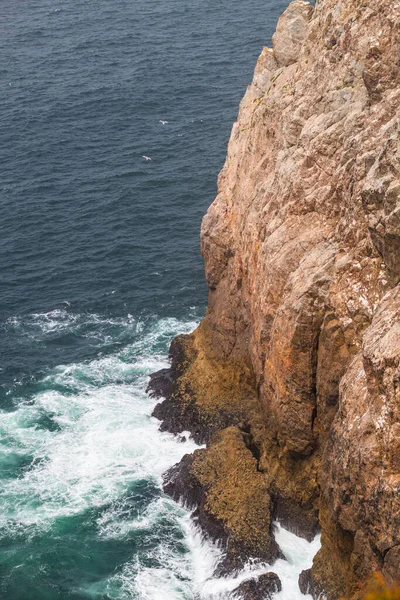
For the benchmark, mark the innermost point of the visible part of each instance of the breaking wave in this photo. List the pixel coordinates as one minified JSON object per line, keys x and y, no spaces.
{"x":81,"y":462}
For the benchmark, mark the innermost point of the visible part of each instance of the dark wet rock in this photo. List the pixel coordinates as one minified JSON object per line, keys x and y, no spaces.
{"x":202,"y":402}
{"x":306,"y":583}
{"x":229,"y":497}
{"x":262,"y":588}
{"x":160,"y":384}
{"x":182,"y":485}
{"x":178,"y":410}
{"x":302,"y":521}
{"x":176,"y":417}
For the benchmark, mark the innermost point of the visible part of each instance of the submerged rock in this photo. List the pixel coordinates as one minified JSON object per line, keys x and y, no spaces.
{"x":306,"y":583}
{"x":262,"y":588}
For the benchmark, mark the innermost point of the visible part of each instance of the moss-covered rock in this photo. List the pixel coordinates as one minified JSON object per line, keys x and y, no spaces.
{"x":230,"y":495}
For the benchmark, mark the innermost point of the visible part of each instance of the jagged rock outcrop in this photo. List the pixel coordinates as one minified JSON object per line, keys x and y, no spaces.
{"x":263,"y":588}
{"x":360,"y":472}
{"x":306,"y":583}
{"x":300,"y":343}
{"x":231,"y":498}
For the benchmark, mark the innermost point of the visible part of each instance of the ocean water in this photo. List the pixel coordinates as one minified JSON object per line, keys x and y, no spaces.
{"x":100,"y":268}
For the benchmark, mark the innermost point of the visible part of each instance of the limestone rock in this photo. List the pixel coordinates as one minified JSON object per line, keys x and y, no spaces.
{"x":291,"y":32}
{"x":300,"y":343}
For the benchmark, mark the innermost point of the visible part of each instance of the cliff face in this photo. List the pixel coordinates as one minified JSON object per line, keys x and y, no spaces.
{"x":300,"y":347}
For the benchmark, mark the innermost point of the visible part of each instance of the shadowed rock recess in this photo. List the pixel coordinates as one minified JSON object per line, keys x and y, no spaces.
{"x":293,"y":377}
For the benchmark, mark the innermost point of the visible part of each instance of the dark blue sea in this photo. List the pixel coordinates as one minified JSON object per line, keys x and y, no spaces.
{"x":100,"y":268}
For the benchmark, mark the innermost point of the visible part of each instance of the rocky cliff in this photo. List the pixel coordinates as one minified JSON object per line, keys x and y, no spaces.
{"x":293,"y":377}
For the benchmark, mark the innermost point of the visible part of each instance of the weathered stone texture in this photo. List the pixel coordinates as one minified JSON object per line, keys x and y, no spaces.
{"x":361,"y":466}
{"x":231,"y":498}
{"x":302,"y":246}
{"x":302,"y":258}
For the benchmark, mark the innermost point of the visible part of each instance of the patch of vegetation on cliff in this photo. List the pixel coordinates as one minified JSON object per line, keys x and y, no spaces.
{"x":377,"y":589}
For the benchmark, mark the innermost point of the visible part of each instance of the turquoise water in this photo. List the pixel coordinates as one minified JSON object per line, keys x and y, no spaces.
{"x":82,"y":513}
{"x":100,"y":269}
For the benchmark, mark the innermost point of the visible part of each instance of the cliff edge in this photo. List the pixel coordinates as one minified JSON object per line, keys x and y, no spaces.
{"x":293,"y":377}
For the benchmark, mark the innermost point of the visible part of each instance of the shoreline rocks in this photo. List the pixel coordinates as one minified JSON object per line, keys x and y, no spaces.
{"x":306,"y":583}
{"x":295,"y":369}
{"x":229,"y":497}
{"x":262,"y":588}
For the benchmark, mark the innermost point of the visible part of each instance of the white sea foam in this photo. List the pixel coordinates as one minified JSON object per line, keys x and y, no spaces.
{"x":190,"y":576}
{"x":102,"y":440}
{"x":299,"y":555}
{"x":40,"y":326}
{"x":106,"y":440}
{"x":181,"y":575}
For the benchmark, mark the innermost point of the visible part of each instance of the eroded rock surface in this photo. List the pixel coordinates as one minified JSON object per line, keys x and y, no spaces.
{"x":361,"y":466}
{"x":230,"y":496}
{"x":306,"y":583}
{"x":300,"y":344}
{"x":262,"y":588}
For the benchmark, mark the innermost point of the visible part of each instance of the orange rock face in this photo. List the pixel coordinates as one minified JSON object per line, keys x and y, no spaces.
{"x":302,"y":258}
